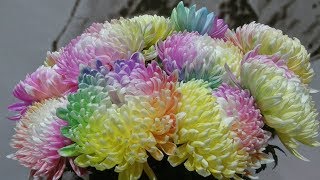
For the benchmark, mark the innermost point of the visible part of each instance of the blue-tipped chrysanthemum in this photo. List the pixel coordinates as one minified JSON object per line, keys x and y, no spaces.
{"x":201,"y":21}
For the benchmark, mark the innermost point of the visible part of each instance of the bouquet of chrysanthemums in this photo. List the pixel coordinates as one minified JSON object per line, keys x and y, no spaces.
{"x":155,"y":97}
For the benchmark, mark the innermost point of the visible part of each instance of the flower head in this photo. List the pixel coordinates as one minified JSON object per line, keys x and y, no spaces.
{"x":42,"y":84}
{"x":38,"y":140}
{"x":205,"y":142}
{"x":199,"y":57}
{"x":273,"y":41}
{"x":133,"y":77}
{"x":201,"y":21}
{"x":154,"y":28}
{"x":284,"y":102}
{"x":238,"y":110}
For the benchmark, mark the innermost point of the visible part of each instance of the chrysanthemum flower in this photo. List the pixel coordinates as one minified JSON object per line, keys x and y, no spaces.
{"x":38,"y":140}
{"x":116,"y":40}
{"x":84,"y":50}
{"x":201,"y":21}
{"x":106,"y":136}
{"x":205,"y":143}
{"x":199,"y":57}
{"x":42,"y":84}
{"x":154,"y":28}
{"x":274,"y":41}
{"x":238,"y":109}
{"x":283,"y":100}
{"x":133,"y":77}
{"x":52,"y":57}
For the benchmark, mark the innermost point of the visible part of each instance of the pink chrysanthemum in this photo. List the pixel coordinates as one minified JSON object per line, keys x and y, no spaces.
{"x":44,"y":83}
{"x":85,"y":50}
{"x":238,"y":110}
{"x":132,"y":77}
{"x":38,"y":140}
{"x":177,"y":50}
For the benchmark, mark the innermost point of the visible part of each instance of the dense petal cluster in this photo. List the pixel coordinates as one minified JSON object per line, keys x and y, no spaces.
{"x":42,"y":84}
{"x":201,"y":21}
{"x":154,"y":27}
{"x":133,"y":77}
{"x":205,"y":143}
{"x":274,"y":41}
{"x":238,"y":110}
{"x":284,"y":102}
{"x":199,"y":57}
{"x":38,"y":140}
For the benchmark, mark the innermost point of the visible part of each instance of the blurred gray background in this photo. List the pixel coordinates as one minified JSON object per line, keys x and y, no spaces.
{"x":28,"y":29}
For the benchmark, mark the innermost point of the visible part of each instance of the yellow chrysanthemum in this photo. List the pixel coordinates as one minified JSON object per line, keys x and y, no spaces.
{"x":139,"y":33}
{"x":274,"y":41}
{"x":284,"y":102}
{"x":205,"y":142}
{"x":154,"y":27}
{"x":123,"y":35}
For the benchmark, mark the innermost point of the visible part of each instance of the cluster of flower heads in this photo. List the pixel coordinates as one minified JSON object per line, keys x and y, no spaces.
{"x":184,"y":89}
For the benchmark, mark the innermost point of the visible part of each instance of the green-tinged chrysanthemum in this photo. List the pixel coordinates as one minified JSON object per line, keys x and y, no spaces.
{"x":274,"y":41}
{"x":80,"y":108}
{"x":120,"y":137}
{"x":199,"y":57}
{"x":124,"y":36}
{"x":138,"y":33}
{"x":154,"y":28}
{"x":205,"y":142}
{"x":284,"y":102}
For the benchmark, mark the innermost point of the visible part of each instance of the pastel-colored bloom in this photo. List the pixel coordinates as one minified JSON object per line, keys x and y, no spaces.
{"x":199,"y":57}
{"x":284,"y":101}
{"x":201,"y":21}
{"x":133,"y":77}
{"x":273,"y":41}
{"x":205,"y":143}
{"x":154,"y":28}
{"x":42,"y":84}
{"x":238,"y":110}
{"x":116,"y":40}
{"x":38,"y":140}
{"x":84,"y":50}
{"x":52,"y":57}
{"x":106,"y":136}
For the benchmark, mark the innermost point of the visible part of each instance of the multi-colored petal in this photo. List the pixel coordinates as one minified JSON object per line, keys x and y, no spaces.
{"x":284,"y":102}
{"x":38,"y":140}
{"x":42,"y":84}
{"x":273,"y":41}
{"x":199,"y":57}
{"x":205,"y":143}
{"x":201,"y":21}
{"x":238,"y":109}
